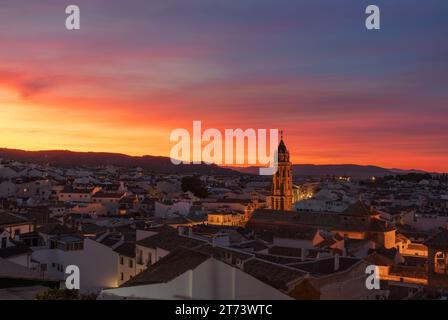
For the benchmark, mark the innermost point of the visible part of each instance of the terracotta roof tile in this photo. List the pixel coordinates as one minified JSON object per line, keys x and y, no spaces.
{"x":169,"y":267}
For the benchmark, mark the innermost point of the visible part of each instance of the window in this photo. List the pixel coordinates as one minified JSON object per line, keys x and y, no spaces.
{"x":121,"y":260}
{"x":122,"y":276}
{"x":78,"y":246}
{"x":131,"y":263}
{"x":440,"y":263}
{"x":139,"y":257}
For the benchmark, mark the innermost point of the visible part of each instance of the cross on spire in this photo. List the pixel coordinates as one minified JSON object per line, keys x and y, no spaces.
{"x":281,"y":134}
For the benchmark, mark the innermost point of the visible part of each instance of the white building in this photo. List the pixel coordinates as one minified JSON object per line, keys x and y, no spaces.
{"x":69,"y":194}
{"x":186,"y":274}
{"x":14,"y":251}
{"x":7,"y":189}
{"x":98,"y":263}
{"x":426,"y":222}
{"x":127,"y":265}
{"x":169,"y":208}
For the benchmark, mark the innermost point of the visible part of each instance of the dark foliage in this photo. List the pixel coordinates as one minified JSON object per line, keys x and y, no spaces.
{"x":195,"y":185}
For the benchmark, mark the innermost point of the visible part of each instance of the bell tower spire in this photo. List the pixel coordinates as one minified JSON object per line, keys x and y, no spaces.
{"x":281,"y":192}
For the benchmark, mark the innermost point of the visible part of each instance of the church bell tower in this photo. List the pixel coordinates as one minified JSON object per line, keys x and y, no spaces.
{"x":281,"y":193}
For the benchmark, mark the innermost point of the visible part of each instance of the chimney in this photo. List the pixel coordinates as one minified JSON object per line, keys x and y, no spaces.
{"x":336,"y":262}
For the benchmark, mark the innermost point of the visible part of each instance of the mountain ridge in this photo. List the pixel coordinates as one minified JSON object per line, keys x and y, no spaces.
{"x":66,"y":158}
{"x":164,"y":165}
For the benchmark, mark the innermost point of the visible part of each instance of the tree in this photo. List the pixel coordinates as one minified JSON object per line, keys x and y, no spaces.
{"x":195,"y":185}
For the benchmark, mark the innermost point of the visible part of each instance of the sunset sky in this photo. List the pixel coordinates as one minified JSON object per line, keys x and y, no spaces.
{"x":139,"y":69}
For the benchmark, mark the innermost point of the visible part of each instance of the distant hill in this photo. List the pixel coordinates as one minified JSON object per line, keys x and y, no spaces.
{"x":163,"y":164}
{"x":352,"y":170}
{"x":93,"y":159}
